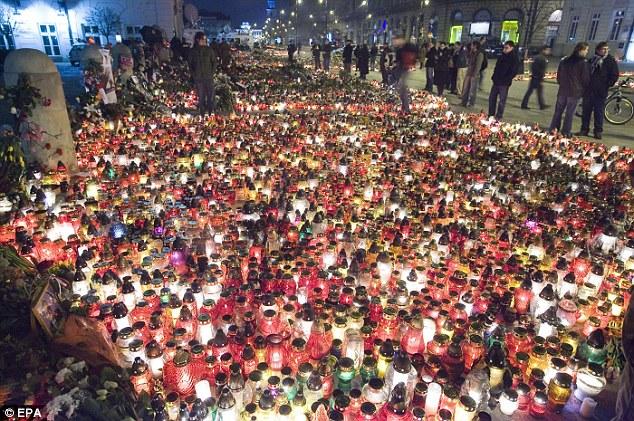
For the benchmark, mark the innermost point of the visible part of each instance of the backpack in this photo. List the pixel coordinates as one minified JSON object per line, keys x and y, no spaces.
{"x":485,"y":62}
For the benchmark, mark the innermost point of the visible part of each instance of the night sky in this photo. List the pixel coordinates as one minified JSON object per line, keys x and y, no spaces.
{"x":239,"y":10}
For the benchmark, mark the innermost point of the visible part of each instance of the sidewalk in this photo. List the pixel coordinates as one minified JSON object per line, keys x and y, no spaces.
{"x":612,"y":135}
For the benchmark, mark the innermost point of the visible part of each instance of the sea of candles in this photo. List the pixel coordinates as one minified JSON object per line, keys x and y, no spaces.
{"x":323,"y":250}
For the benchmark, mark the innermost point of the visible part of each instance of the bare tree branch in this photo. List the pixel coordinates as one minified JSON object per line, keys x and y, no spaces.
{"x":107,"y":21}
{"x":536,"y":15}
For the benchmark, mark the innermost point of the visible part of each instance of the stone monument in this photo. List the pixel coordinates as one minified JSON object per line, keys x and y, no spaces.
{"x":52,"y":121}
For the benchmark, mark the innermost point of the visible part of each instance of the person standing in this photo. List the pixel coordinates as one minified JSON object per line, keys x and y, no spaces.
{"x":291,"y":52}
{"x":405,"y":61}
{"x":347,"y":57}
{"x":604,"y":72}
{"x":327,"y":51}
{"x":538,"y":71}
{"x":453,"y":74}
{"x":383,"y":65}
{"x":441,"y":68}
{"x":470,"y":87}
{"x":202,"y":63}
{"x":485,"y":63}
{"x":422,"y":54}
{"x":363,"y":61}
{"x":625,"y":397}
{"x":225,"y":55}
{"x":374,"y":51}
{"x":505,"y":70}
{"x":460,"y":63}
{"x":430,"y":64}
{"x":316,"y":55}
{"x":573,"y":76}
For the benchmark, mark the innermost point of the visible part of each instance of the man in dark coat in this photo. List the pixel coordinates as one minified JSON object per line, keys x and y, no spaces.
{"x":347,"y":57}
{"x":441,"y":68}
{"x":225,"y":55}
{"x":383,"y":64}
{"x":430,"y":64}
{"x":505,"y":70}
{"x":538,"y":71}
{"x":291,"y":52}
{"x":326,"y":50}
{"x":460,"y":63}
{"x":202,"y":62}
{"x":316,"y":55}
{"x":363,"y":61}
{"x":374,"y":51}
{"x":573,"y":76}
{"x":604,"y":72}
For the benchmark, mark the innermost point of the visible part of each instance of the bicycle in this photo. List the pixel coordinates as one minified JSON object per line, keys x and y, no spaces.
{"x":618,"y":109}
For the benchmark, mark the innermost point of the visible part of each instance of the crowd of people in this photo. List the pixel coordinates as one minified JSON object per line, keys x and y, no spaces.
{"x":460,"y":69}
{"x":205,"y":60}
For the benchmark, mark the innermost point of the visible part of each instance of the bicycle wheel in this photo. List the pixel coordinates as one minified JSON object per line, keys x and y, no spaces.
{"x":619,"y":110}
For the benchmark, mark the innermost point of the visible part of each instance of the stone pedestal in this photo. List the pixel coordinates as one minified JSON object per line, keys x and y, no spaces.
{"x":57,"y":141}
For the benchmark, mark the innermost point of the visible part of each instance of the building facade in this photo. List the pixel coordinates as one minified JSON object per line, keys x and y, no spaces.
{"x":594,"y":21}
{"x":526,"y":22}
{"x":54,"y":26}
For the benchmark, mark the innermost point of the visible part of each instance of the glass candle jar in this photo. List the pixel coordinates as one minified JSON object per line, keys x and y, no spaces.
{"x":559,"y":391}
{"x":590,"y":381}
{"x":466,"y":408}
{"x":473,"y":350}
{"x":523,"y":396}
{"x":509,"y":402}
{"x":538,"y":405}
{"x":567,"y":312}
{"x":345,"y":374}
{"x":434,"y":394}
{"x":276,"y":356}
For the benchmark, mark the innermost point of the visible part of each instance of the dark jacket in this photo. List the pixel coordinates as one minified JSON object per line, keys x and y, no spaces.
{"x":431,"y":57}
{"x":202,"y":63}
{"x":573,"y":76}
{"x":603,"y":78}
{"x":347,"y":53}
{"x":363,"y":60}
{"x":316,"y":50}
{"x":505,"y":69}
{"x":374,"y":51}
{"x":460,"y":58}
{"x":383,"y":59}
{"x":538,"y":67}
{"x":441,"y":70}
{"x":326,"y":49}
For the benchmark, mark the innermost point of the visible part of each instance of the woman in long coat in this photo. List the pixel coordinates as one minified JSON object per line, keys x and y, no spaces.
{"x":442,"y":75}
{"x":363,"y":61}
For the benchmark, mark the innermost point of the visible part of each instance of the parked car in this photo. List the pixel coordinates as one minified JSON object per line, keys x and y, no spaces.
{"x":74,"y":55}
